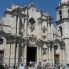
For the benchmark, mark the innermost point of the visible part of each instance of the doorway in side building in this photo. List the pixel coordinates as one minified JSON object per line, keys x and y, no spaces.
{"x":31,"y":55}
{"x":56,"y":57}
{"x":1,"y":56}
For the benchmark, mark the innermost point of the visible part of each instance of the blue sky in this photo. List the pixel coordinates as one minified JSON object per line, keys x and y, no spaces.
{"x":45,"y":5}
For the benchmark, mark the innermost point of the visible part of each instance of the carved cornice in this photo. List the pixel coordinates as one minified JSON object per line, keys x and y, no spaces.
{"x":60,"y":6}
{"x":61,"y":43}
{"x":61,"y":21}
{"x":50,"y":43}
{"x":13,"y":39}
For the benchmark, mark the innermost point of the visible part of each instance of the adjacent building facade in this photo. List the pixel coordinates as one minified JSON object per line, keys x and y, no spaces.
{"x":28,"y":34}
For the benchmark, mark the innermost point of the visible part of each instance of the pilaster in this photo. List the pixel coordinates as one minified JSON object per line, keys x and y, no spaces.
{"x":49,"y":54}
{"x":38,"y":54}
{"x":25,"y":56}
{"x":52,"y":54}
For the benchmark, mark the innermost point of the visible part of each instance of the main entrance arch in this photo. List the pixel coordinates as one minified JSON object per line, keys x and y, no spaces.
{"x":31,"y":54}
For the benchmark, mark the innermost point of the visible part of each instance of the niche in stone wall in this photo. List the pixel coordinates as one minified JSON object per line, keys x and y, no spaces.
{"x":32,"y":24}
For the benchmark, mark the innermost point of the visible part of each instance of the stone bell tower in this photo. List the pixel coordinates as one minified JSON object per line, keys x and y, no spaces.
{"x":62,"y":25}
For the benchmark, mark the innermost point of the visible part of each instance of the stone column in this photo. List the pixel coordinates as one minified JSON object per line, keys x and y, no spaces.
{"x":9,"y":53}
{"x":53,"y":54}
{"x":61,"y":56}
{"x":49,"y":54}
{"x":66,"y":51}
{"x":12,"y":55}
{"x":38,"y":54}
{"x":25,"y":56}
{"x":17,"y":53}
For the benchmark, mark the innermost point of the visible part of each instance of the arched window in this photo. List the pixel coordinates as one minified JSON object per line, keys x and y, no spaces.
{"x":61,"y":32}
{"x":1,"y":56}
{"x":68,"y":12}
{"x":68,"y":2}
{"x":32,"y":21}
{"x":60,"y":14}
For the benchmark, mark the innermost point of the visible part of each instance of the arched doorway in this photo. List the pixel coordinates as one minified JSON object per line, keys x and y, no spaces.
{"x":1,"y":56}
{"x":56,"y":55}
{"x":31,"y":54}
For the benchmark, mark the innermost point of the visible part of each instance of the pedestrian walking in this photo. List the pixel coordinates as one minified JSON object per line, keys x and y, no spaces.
{"x":26,"y":67}
{"x":6,"y":67}
{"x":65,"y":66}
{"x":21,"y":66}
{"x":43,"y":67}
{"x":13,"y":66}
{"x":53,"y":66}
{"x":39,"y":66}
{"x":1,"y":66}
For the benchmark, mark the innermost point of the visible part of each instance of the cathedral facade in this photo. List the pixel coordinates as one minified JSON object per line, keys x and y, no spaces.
{"x":28,"y":34}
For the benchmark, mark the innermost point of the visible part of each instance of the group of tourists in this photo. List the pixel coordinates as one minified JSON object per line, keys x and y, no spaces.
{"x":21,"y":66}
{"x":6,"y":67}
{"x":39,"y":66}
{"x":51,"y":66}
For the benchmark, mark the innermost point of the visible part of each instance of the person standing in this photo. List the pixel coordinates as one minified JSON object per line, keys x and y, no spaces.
{"x":39,"y":66}
{"x":1,"y":66}
{"x":6,"y":67}
{"x":21,"y":66}
{"x":65,"y":66}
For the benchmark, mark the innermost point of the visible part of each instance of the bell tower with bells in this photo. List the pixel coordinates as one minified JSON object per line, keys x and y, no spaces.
{"x":62,"y":25}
